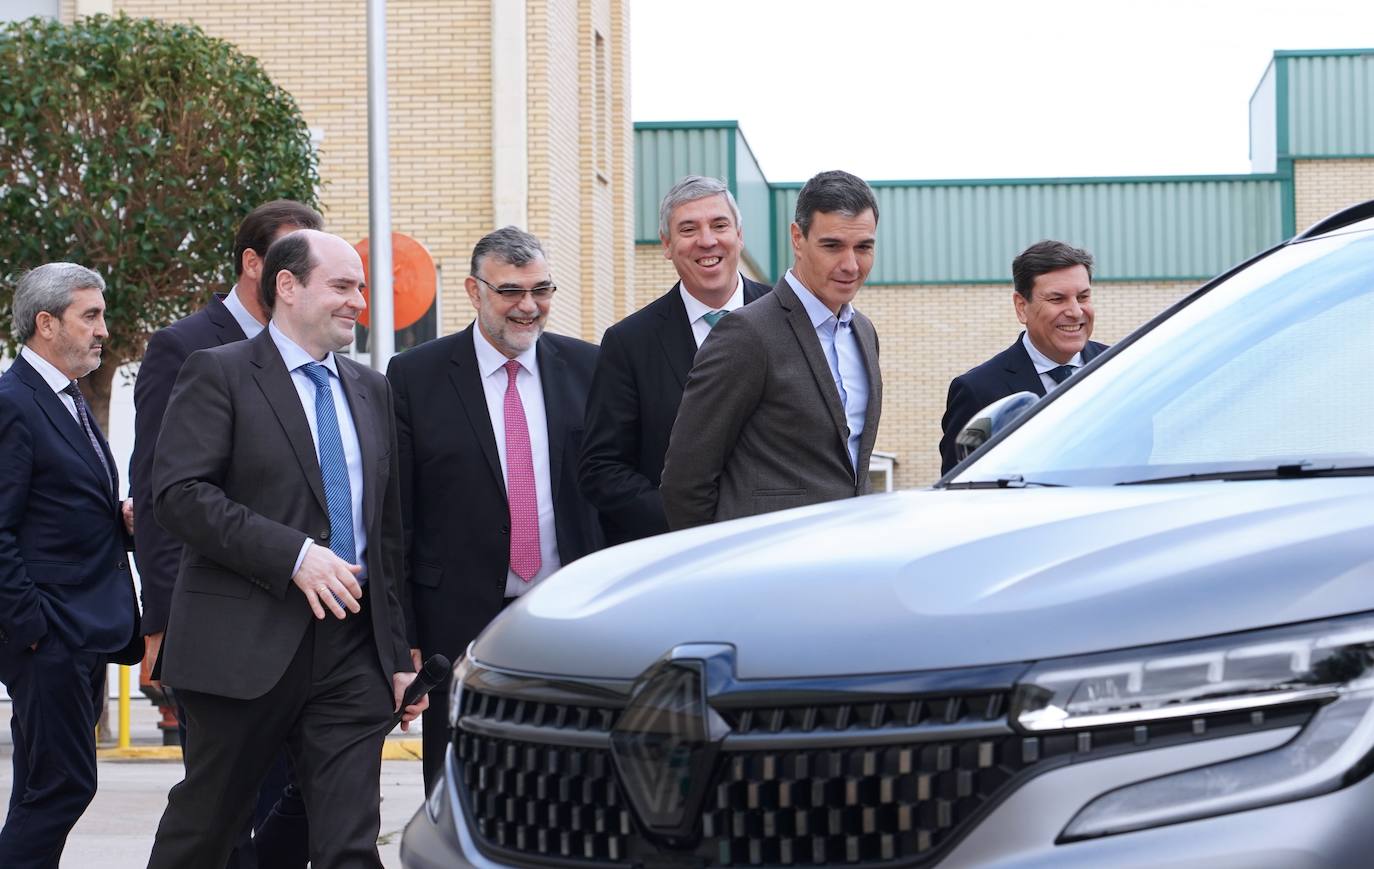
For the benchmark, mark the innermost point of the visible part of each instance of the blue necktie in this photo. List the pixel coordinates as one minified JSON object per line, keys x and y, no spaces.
{"x":333,"y":466}
{"x":83,"y":416}
{"x":713,"y":317}
{"x":1060,"y":374}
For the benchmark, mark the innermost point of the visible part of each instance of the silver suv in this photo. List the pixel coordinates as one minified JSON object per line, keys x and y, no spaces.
{"x":1136,"y":628}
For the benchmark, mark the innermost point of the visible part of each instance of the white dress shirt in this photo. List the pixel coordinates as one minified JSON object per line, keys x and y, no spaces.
{"x":841,"y":348}
{"x":491,"y":365}
{"x":55,"y":379}
{"x":1044,"y":364}
{"x":295,"y":359}
{"x":696,"y":311}
{"x":251,"y":327}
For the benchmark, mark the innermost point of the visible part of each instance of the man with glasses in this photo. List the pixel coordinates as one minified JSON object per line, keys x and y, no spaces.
{"x":489,"y":427}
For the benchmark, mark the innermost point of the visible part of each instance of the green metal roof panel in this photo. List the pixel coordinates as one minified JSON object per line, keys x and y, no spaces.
{"x":752,"y":195}
{"x":968,"y":232}
{"x":666,"y":152}
{"x":1329,"y":100}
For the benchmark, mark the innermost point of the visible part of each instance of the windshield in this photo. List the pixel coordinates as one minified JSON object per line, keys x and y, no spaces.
{"x":1274,"y":367}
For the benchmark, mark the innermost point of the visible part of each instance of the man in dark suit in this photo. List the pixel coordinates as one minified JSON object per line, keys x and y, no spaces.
{"x":645,"y":358}
{"x":489,"y":426}
{"x":67,"y":603}
{"x":234,"y":316}
{"x":1053,"y":299}
{"x":276,"y":467}
{"x":782,"y":406}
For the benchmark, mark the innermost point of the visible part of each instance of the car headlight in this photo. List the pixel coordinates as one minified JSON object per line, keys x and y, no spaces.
{"x":455,"y":696}
{"x":1329,"y":664}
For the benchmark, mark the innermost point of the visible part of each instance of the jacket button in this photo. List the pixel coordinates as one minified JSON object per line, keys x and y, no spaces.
{"x":120,"y":565}
{"x":324,"y":535}
{"x":505,"y":529}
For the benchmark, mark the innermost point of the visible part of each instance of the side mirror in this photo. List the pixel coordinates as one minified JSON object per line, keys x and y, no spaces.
{"x":990,"y":420}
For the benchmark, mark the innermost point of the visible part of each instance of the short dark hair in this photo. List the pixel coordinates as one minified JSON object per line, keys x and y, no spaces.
{"x":290,"y":253}
{"x":1044,"y":257}
{"x":510,"y":244}
{"x":834,"y":191}
{"x":262,"y":223}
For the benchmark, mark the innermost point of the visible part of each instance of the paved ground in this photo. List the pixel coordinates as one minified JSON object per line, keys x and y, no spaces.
{"x":117,"y":830}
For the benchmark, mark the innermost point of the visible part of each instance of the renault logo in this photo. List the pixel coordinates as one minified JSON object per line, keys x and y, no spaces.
{"x":665,"y":746}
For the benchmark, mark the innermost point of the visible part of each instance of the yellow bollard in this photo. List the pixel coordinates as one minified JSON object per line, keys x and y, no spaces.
{"x":124,"y":740}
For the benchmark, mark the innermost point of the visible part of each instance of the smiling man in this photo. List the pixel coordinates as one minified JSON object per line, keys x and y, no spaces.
{"x":781,"y":408}
{"x":489,"y":425}
{"x":645,"y":358}
{"x":276,"y":468}
{"x":1053,"y":297}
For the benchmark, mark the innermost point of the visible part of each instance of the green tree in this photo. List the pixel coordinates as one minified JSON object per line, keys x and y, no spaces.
{"x":134,"y":147}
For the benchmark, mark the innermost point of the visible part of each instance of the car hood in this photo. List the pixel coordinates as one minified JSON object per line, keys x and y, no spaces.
{"x":937,"y":579}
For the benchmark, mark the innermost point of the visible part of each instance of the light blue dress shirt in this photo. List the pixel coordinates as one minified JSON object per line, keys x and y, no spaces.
{"x":295,"y":358}
{"x":841,"y":348}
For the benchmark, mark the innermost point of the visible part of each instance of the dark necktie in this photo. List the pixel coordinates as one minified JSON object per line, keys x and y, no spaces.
{"x":1062,"y":373}
{"x":338,"y":496}
{"x":83,"y":416}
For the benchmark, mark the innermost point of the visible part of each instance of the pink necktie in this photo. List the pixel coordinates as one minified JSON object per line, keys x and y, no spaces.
{"x":524,"y":504}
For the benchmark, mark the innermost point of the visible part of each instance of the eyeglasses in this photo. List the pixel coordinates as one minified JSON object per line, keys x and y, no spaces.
{"x":514,"y":294}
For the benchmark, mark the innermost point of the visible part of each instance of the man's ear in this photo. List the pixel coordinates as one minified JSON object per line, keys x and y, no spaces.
{"x":252,"y":265}
{"x":1020,"y":302}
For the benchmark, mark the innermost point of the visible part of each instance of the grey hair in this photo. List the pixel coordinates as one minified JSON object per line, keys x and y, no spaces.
{"x":509,"y":244}
{"x":48,"y":288}
{"x":690,"y":189}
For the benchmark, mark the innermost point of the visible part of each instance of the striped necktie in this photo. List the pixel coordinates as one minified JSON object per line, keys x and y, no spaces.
{"x":338,"y":496}
{"x":83,"y":416}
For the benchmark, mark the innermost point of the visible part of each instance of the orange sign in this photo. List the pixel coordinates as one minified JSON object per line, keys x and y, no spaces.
{"x":412,"y":276}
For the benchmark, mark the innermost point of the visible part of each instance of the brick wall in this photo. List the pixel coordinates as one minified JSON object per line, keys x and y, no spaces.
{"x":1323,"y":186}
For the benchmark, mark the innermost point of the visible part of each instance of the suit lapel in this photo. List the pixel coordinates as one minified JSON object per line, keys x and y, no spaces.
{"x":467,"y":382}
{"x":551,"y":379}
{"x":364,"y":414}
{"x":227,"y":329}
{"x":65,"y":423}
{"x":1021,"y":370}
{"x":275,"y":382}
{"x":810,"y":344}
{"x":675,"y":335}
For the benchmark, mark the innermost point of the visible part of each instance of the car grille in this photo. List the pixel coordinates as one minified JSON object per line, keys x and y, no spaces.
{"x":870,"y":783}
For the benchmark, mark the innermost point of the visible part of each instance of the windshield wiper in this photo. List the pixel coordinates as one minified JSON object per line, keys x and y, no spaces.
{"x":1289,"y":471}
{"x":1011,"y":481}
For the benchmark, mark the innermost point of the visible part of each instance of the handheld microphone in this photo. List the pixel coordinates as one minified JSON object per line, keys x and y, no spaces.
{"x":434,"y":671}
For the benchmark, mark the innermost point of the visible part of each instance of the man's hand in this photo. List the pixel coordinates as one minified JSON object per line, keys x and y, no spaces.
{"x":399,"y":683}
{"x":152,"y":643}
{"x":127,"y":510}
{"x":416,"y":660}
{"x":329,"y":582}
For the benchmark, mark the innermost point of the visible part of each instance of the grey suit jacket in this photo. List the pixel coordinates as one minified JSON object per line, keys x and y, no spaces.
{"x":761,"y":427}
{"x":237,"y":480}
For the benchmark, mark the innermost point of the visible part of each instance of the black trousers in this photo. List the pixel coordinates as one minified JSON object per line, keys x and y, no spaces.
{"x":333,"y":709}
{"x":56,"y":695}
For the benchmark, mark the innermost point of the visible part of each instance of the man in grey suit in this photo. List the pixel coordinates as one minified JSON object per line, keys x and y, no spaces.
{"x":781,"y":407}
{"x":277,"y":468}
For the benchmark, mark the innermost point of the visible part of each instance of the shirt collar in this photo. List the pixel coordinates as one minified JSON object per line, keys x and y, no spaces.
{"x":1042,"y":362}
{"x":55,"y":379}
{"x":292,"y":353}
{"x":815,"y":308}
{"x":490,"y":360}
{"x":696,"y":310}
{"x":250,"y":326}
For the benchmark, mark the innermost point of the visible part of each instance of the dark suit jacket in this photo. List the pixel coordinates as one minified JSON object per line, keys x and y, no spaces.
{"x":453,"y":493}
{"x":761,"y":427}
{"x":1007,"y":373}
{"x":64,"y":568}
{"x":630,"y":411}
{"x":237,"y":480}
{"x":158,"y":553}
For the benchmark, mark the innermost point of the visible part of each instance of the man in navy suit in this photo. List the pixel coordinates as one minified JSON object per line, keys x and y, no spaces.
{"x":234,"y":316}
{"x":1053,"y":299}
{"x":645,"y":358}
{"x":490,"y":416}
{"x":67,"y":603}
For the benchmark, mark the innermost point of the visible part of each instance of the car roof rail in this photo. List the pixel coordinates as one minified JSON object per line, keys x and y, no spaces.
{"x":1342,"y":218}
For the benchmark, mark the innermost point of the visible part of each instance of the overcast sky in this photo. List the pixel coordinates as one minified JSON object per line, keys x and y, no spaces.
{"x":990,"y":89}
